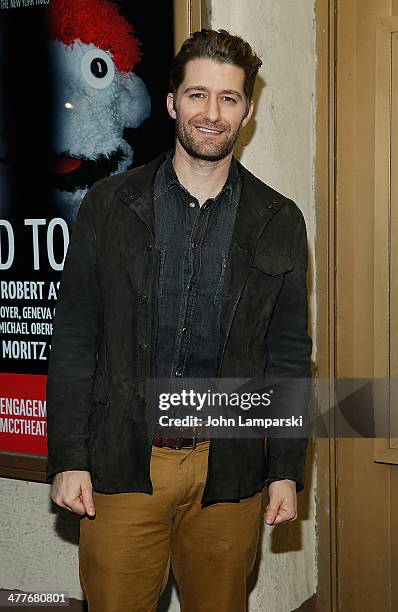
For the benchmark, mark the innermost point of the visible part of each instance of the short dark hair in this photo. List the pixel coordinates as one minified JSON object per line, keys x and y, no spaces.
{"x":222,"y":47}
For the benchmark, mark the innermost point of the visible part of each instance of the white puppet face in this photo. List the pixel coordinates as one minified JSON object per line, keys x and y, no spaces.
{"x":94,"y":103}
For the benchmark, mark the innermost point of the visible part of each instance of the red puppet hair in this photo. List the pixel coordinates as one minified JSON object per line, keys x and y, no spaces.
{"x":98,"y":22}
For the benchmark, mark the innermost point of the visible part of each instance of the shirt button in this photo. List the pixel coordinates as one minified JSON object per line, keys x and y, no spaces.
{"x":192,"y":204}
{"x":194,"y":245}
{"x":149,"y":247}
{"x":189,"y":286}
{"x":143,"y":298}
{"x":184,"y":330}
{"x":143,"y":347}
{"x":140,"y":397}
{"x":178,"y":373}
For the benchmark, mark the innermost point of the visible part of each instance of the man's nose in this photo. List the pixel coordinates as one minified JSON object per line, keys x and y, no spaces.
{"x":212,"y":109}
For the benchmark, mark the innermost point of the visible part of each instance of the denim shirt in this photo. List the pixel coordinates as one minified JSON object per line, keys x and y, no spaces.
{"x":193,"y":243}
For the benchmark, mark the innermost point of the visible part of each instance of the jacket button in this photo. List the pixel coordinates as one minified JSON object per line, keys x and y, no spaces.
{"x":143,"y":298}
{"x":140,"y":397}
{"x":143,"y":347}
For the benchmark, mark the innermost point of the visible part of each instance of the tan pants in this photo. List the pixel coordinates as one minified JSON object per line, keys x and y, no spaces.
{"x":125,"y":551}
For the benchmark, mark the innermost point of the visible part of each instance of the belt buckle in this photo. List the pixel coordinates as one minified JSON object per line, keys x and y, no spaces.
{"x":193,"y":437}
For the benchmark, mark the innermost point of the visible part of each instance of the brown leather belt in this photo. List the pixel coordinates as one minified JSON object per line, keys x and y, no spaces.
{"x":178,"y":442}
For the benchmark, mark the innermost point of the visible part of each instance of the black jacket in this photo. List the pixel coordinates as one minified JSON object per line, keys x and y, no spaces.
{"x":105,"y":329}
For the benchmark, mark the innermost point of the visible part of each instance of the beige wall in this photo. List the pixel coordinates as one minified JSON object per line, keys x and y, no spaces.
{"x":38,"y":549}
{"x":37,"y":545}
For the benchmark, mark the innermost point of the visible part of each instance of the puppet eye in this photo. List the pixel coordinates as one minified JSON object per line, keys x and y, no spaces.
{"x":97,"y":68}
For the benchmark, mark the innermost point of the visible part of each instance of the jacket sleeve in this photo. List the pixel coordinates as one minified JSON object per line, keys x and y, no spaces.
{"x":74,"y":349}
{"x":289,"y":355}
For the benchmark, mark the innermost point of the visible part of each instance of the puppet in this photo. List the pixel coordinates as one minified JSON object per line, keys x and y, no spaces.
{"x":97,"y":95}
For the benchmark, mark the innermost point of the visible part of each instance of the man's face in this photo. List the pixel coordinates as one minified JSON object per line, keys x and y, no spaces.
{"x":209,"y":108}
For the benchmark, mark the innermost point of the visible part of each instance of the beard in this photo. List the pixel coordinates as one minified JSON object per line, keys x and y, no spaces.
{"x":206,"y":149}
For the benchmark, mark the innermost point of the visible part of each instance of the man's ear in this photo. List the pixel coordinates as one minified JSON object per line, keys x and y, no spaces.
{"x":170,"y":106}
{"x":249,"y":114}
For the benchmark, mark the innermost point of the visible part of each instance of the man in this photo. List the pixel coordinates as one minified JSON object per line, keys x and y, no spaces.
{"x":186,"y":267}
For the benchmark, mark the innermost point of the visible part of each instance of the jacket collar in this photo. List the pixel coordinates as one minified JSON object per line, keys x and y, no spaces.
{"x":258,"y":202}
{"x":136,"y":191}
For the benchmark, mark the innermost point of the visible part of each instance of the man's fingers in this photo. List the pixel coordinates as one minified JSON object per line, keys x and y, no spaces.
{"x":75,"y":505}
{"x":73,"y":490}
{"x":271,"y":512}
{"x":276,"y":512}
{"x":87,"y":498}
{"x":282,"y":505}
{"x":284,"y":516}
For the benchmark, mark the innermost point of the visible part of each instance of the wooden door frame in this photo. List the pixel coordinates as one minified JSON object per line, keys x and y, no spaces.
{"x":325,"y":189}
{"x":189,"y":16}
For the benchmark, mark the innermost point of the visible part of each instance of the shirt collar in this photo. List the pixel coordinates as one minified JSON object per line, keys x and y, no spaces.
{"x":171,"y":178}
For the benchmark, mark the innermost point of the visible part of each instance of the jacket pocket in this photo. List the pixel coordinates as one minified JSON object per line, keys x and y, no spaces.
{"x":272,"y":263}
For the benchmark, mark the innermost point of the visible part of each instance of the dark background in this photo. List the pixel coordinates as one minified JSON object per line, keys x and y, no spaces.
{"x":26,"y":79}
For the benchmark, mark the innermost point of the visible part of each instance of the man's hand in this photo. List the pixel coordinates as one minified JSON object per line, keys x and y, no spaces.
{"x":282,"y":505}
{"x":73,"y":490}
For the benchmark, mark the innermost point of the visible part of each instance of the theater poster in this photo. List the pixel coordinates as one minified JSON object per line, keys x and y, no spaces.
{"x":83,"y":85}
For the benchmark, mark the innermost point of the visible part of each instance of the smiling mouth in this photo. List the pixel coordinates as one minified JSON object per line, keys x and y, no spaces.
{"x":204,"y":130}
